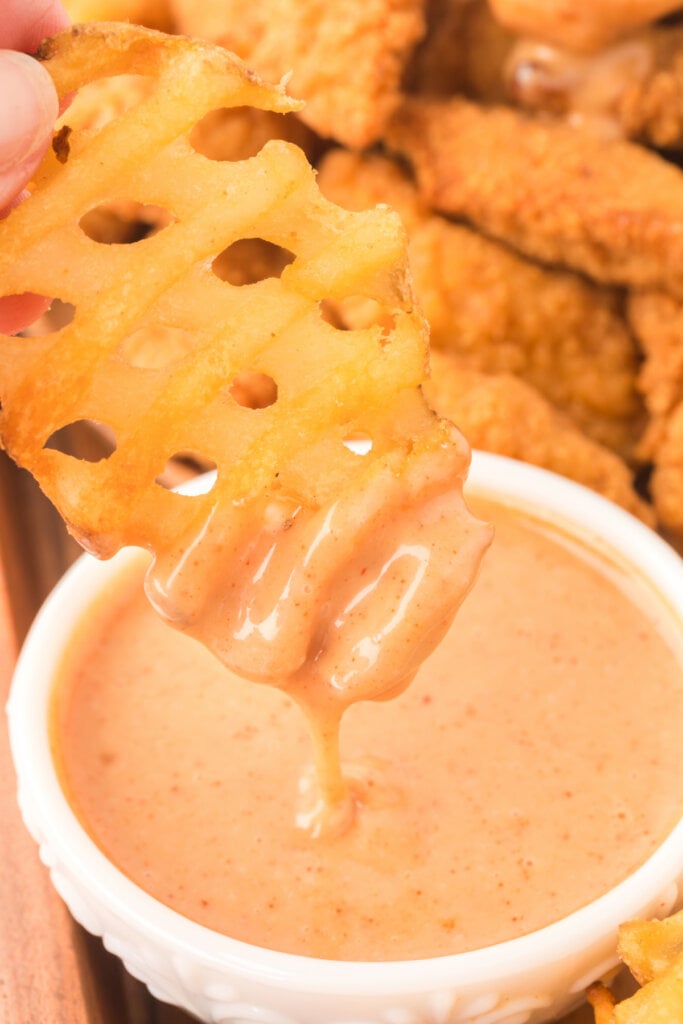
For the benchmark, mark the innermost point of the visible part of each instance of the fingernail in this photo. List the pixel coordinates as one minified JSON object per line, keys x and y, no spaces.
{"x":28,"y":107}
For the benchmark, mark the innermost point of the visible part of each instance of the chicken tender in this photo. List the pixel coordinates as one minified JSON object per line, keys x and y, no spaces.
{"x":502,"y":414}
{"x":609,"y":209}
{"x":632,"y":89}
{"x":657,"y":320}
{"x":465,"y":50}
{"x":581,"y":26}
{"x":500,"y":313}
{"x":345,"y":59}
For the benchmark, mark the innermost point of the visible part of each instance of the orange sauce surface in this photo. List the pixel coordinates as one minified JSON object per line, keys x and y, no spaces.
{"x":532,"y":764}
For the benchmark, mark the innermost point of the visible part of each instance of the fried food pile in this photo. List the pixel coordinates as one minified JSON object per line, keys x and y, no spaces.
{"x":653,"y":952}
{"x":532,"y":150}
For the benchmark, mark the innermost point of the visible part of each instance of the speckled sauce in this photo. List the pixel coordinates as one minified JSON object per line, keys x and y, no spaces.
{"x":533,"y":763}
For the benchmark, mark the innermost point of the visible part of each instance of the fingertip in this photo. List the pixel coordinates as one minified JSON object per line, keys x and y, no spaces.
{"x":28,"y":108}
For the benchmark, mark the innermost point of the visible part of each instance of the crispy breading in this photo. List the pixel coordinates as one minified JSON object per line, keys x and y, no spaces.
{"x":632,"y":89}
{"x":465,"y":50}
{"x":603,"y":1003}
{"x":657,"y":321}
{"x":346,"y":59}
{"x":235,"y":133}
{"x":500,"y":413}
{"x":500,"y":313}
{"x":581,"y":26}
{"x":609,"y":209}
{"x":664,"y":443}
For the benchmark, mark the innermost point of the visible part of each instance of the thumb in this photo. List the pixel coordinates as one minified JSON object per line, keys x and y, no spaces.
{"x":28,"y":110}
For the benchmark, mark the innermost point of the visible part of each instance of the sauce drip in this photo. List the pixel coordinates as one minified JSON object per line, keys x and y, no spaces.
{"x":335,"y":605}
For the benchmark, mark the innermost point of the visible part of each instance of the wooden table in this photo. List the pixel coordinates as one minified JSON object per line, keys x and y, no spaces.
{"x":51,"y":970}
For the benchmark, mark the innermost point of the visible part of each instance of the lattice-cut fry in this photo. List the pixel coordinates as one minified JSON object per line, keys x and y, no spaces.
{"x":651,"y":947}
{"x":346,"y":58}
{"x":257,"y":382}
{"x":653,"y":952}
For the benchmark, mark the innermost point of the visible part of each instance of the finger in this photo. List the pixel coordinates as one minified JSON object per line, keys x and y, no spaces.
{"x":18,"y":311}
{"x":25,"y":23}
{"x":28,"y":110}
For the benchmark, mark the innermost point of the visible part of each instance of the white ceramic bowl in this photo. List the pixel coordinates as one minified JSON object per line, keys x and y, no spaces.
{"x":524,"y":981}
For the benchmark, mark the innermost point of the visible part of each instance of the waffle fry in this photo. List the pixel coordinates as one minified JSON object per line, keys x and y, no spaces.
{"x":286,"y":466}
{"x":653,"y":952}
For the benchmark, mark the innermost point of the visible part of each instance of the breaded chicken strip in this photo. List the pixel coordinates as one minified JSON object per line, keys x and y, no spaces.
{"x":657,"y":320}
{"x":505,"y":415}
{"x":465,"y":51}
{"x":580,"y":25}
{"x":346,"y":59}
{"x":633,"y":89}
{"x":500,"y":313}
{"x":609,"y":209}
{"x":666,"y":483}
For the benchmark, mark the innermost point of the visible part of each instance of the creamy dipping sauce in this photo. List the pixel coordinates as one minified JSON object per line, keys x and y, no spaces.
{"x":531,"y":765}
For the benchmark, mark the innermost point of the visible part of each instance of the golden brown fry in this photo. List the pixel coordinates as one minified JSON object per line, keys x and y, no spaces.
{"x":603,"y":1003}
{"x":345,"y":59}
{"x":633,"y":89}
{"x":253,"y":378}
{"x":119,"y":292}
{"x":612,"y":210}
{"x":653,"y":952}
{"x":651,"y":947}
{"x":660,"y":1002}
{"x":500,"y":413}
{"x":500,"y":313}
{"x":227,"y":133}
{"x":104,"y":100}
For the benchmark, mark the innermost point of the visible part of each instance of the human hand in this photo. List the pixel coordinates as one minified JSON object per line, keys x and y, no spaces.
{"x":28,"y":109}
